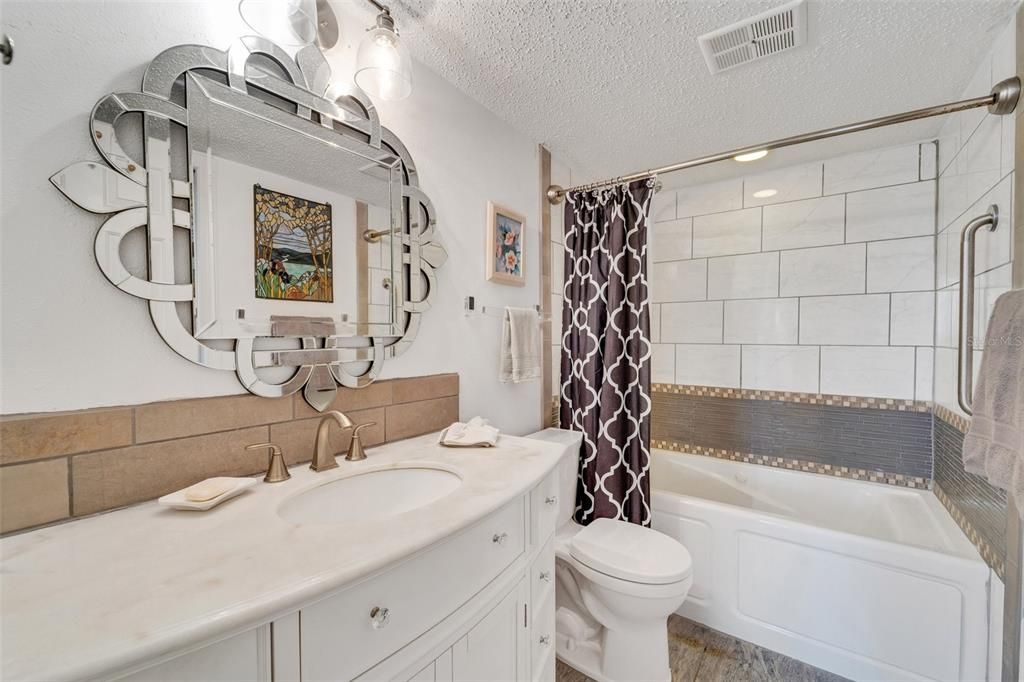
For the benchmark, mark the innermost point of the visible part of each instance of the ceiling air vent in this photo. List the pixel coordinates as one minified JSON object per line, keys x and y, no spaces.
{"x":766,"y":34}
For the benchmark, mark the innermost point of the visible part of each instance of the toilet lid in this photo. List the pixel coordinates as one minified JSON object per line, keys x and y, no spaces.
{"x":631,"y":552}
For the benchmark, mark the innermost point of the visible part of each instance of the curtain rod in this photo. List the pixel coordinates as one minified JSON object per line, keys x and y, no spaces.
{"x":1002,"y":100}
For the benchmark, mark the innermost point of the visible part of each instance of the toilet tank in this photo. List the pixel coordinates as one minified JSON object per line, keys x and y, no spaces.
{"x":568,"y":468}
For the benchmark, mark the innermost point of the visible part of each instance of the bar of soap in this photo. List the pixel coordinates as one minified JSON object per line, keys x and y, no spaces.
{"x":209,"y":489}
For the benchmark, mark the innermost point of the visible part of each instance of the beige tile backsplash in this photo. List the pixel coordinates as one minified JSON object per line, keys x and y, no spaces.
{"x":409,"y":419}
{"x":32,"y":494}
{"x":58,"y":466}
{"x":25,"y":438}
{"x":161,"y":421}
{"x":113,"y":478}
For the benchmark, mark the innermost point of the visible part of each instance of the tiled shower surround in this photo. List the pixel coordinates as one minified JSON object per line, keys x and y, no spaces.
{"x":975,"y":169}
{"x":827,"y":286}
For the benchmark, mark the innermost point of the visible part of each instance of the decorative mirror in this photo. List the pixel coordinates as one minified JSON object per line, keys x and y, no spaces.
{"x":286,"y":234}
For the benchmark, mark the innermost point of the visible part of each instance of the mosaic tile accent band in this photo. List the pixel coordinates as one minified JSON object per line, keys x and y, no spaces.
{"x":860,"y":402}
{"x":824,"y":438}
{"x":978,"y":507}
{"x":883,"y":445}
{"x":954,"y":419}
{"x":797,"y":465}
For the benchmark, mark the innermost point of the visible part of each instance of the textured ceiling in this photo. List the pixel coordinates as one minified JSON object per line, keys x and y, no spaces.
{"x":613,"y":86}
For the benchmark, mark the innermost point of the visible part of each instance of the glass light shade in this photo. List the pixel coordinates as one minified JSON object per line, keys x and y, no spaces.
{"x":383,"y":65}
{"x":289,"y":23}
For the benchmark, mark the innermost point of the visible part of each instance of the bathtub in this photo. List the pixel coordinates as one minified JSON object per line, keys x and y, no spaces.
{"x":869,"y":581}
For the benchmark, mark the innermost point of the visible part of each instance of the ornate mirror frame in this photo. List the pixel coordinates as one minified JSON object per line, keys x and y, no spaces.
{"x":147,"y":195}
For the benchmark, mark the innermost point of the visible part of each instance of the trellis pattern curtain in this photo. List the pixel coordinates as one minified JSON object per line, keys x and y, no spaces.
{"x":605,"y":375}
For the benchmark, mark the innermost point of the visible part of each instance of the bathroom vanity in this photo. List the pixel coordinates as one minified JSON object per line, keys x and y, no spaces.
{"x":419,"y":563}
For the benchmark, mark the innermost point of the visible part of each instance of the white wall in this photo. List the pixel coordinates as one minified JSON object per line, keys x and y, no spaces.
{"x":976,"y":162}
{"x":71,"y":340}
{"x":824,"y":287}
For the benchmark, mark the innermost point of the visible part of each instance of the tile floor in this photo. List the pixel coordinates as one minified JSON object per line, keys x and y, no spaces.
{"x":700,"y":654}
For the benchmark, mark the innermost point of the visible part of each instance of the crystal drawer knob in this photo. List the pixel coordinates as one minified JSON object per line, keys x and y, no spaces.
{"x":379,"y":617}
{"x":551,"y":501}
{"x":545,"y":576}
{"x":545,"y":639}
{"x":500,"y":539}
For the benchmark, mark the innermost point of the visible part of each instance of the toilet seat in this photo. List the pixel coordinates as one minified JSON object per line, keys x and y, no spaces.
{"x":632,"y":553}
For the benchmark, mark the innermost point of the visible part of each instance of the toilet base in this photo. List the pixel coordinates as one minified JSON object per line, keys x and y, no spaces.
{"x":584,"y":657}
{"x":628,"y":658}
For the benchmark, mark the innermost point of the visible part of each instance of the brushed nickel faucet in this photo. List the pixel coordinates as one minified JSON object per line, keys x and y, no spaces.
{"x":323,"y":458}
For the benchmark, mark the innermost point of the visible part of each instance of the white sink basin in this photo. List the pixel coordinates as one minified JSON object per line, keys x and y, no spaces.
{"x":372,"y":495}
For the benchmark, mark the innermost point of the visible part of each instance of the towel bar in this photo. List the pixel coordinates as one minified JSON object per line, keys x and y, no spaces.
{"x":965,"y":331}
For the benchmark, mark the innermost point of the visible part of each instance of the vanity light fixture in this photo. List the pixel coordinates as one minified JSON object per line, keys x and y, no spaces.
{"x":751,"y":156}
{"x":290,"y":23}
{"x":765,"y":193}
{"x":383,"y":64}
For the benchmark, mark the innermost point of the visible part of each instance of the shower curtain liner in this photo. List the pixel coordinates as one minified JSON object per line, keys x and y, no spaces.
{"x":606,"y":350}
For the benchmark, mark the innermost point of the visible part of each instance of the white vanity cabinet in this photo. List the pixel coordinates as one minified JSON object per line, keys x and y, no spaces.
{"x":478,"y":606}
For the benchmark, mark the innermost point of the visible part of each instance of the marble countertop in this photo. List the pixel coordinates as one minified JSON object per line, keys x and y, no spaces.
{"x":105,"y":594}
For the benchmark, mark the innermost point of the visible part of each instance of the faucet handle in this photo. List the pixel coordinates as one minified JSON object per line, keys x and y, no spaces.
{"x":355,"y":447}
{"x":277,"y":471}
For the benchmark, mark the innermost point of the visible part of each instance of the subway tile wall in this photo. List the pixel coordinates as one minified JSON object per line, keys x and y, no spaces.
{"x":976,"y":169}
{"x":825,"y":287}
{"x":976,"y":162}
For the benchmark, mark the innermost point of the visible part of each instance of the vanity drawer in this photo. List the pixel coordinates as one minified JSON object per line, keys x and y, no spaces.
{"x":344,"y":635}
{"x":542,"y":573}
{"x":544,"y":505}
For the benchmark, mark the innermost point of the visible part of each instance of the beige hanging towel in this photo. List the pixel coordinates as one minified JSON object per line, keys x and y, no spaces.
{"x":994,"y":445}
{"x":520,"y":346}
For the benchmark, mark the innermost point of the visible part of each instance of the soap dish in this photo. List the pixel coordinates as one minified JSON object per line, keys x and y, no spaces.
{"x":177,"y":500}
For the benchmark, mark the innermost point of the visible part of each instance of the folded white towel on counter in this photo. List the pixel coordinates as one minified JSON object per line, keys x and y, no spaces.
{"x":994,"y":444}
{"x":520,"y":346}
{"x":476,"y":433}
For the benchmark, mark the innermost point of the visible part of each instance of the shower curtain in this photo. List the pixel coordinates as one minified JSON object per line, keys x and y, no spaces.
{"x":606,"y":351}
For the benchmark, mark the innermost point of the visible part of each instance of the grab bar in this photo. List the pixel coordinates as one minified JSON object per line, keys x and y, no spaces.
{"x":965,"y":331}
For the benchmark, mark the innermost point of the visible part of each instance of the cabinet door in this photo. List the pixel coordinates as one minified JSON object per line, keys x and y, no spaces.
{"x":494,"y":649}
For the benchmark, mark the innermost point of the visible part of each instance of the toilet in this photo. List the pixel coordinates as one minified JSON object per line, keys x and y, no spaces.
{"x":617,"y":584}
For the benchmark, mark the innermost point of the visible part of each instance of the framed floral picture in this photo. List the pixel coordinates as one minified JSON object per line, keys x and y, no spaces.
{"x":505,"y":252}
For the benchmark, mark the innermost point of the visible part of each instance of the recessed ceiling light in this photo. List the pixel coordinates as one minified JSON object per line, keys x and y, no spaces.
{"x":765,"y":193}
{"x":752,"y":156}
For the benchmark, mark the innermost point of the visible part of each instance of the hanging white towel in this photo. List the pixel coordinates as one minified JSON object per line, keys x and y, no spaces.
{"x":994,"y":445}
{"x":520,"y":346}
